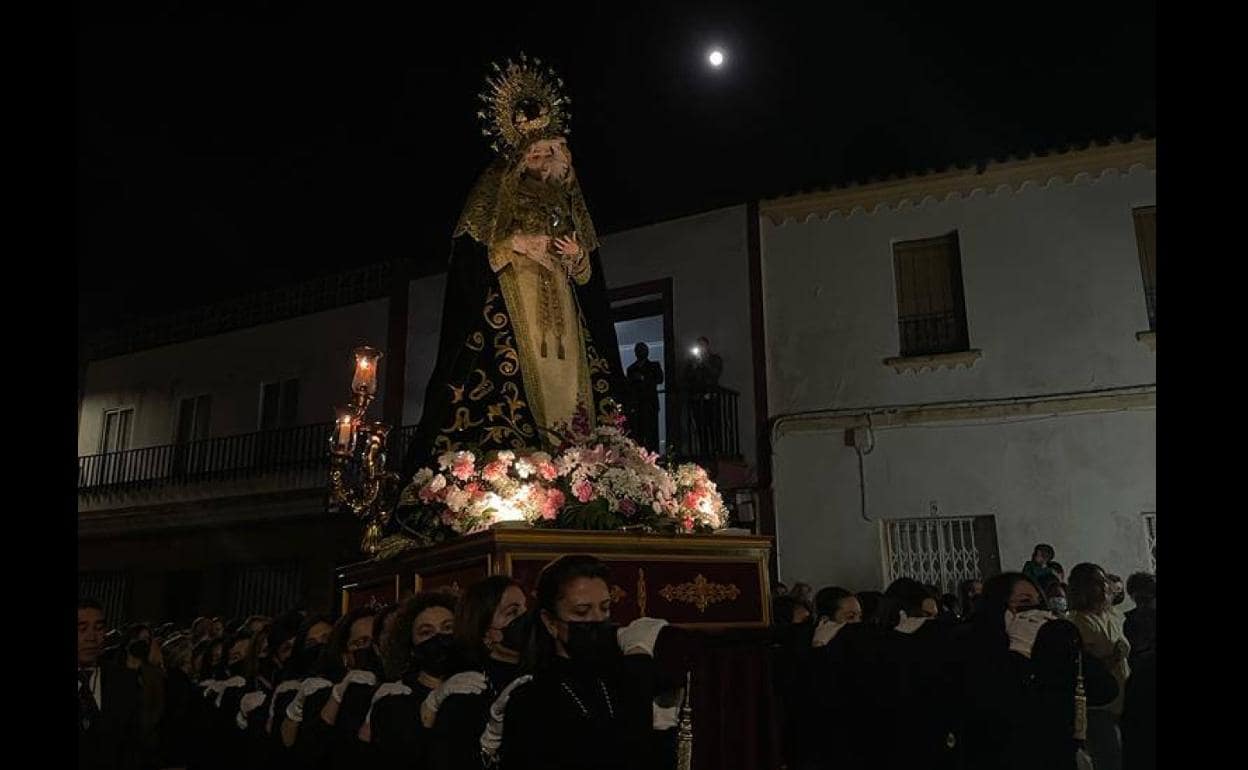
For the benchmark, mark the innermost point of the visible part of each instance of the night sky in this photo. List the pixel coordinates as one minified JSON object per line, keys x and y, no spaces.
{"x":222,"y":156}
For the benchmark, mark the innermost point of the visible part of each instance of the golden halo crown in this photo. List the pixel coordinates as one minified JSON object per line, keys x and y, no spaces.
{"x":522,"y":102}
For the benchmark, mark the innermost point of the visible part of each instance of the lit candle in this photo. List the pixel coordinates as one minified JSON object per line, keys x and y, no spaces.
{"x":344,"y":432}
{"x":365,"y":379}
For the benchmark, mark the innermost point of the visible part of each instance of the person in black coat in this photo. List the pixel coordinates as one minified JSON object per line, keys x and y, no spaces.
{"x":340,"y":687}
{"x":418,"y":657}
{"x":1140,"y":624}
{"x":916,"y":664}
{"x":304,"y":656}
{"x":109,"y":700}
{"x":175,"y":725}
{"x":491,"y":634}
{"x":588,"y":706}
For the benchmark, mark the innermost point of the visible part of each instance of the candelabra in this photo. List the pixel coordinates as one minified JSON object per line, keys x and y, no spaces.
{"x":368,"y":493}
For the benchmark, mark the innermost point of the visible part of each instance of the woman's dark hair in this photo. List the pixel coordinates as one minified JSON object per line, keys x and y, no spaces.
{"x":1142,"y":586}
{"x":989,"y":619}
{"x":1086,"y":588}
{"x":259,"y":639}
{"x":966,"y":601}
{"x":871,"y":601}
{"x":909,"y":594}
{"x":949,"y":604}
{"x":330,"y":662}
{"x":782,"y":609}
{"x":550,"y":585}
{"x":396,"y":652}
{"x":206,"y":668}
{"x":379,"y":621}
{"x":200,"y":650}
{"x":299,"y":666}
{"x":1045,"y":549}
{"x":475,"y":614}
{"x":829,"y":599}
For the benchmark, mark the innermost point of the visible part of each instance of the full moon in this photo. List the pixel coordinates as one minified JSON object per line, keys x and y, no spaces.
{"x":716,"y":58}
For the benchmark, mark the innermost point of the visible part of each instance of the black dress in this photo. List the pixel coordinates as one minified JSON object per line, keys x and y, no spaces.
{"x":476,"y":395}
{"x":917,"y":677}
{"x":571,"y":718}
{"x":399,"y":740}
{"x":175,"y":726}
{"x":455,"y":740}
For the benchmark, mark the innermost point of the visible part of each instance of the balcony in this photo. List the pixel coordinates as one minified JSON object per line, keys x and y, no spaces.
{"x":260,"y":476}
{"x":707,"y":424}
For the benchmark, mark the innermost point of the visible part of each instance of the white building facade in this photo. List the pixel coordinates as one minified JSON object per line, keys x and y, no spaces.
{"x":962,"y":365}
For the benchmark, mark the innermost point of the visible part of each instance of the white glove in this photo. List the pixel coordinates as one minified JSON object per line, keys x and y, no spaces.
{"x":389,"y":688}
{"x":355,"y":676}
{"x":310,"y":686}
{"x":250,"y":702}
{"x":665,"y":717}
{"x":287,"y":686}
{"x":492,"y":738}
{"x":641,"y":635}
{"x":825,"y":632}
{"x":229,"y":684}
{"x":463,"y":683}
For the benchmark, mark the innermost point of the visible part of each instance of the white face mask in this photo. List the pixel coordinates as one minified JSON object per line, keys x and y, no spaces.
{"x":1058,"y":603}
{"x":1022,"y":628}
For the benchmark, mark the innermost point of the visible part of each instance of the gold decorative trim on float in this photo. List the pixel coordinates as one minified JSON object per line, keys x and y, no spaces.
{"x":641,"y":591}
{"x":347,"y":591}
{"x":701,"y":593}
{"x":725,"y":558}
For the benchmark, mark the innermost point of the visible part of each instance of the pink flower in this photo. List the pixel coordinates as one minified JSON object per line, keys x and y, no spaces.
{"x":628,"y":507}
{"x":583,"y":490}
{"x":693,"y":498}
{"x":687,"y":524}
{"x":552,"y":504}
{"x":429,"y":492}
{"x":495,"y":471}
{"x":547,"y":471}
{"x":474,"y":490}
{"x":464,"y":466}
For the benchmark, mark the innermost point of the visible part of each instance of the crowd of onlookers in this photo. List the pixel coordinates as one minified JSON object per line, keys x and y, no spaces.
{"x":1031,"y":669}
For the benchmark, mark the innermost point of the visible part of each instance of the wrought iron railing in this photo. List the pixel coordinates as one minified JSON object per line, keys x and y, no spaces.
{"x":708,"y":423}
{"x":250,"y":454}
{"x":928,"y":333}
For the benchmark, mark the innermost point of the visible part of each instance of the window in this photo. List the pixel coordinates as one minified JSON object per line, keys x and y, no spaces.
{"x":279,"y":404}
{"x":931,"y":313}
{"x":1150,"y":540}
{"x":193,"y":419}
{"x":1146,"y":242}
{"x":116,"y":434}
{"x":941,"y":551}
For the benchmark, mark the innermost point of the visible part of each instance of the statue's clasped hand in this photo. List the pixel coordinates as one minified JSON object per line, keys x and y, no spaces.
{"x":571,"y":254}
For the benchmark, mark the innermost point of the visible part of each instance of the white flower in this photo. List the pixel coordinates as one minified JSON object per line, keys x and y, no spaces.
{"x":422,"y":477}
{"x":457,"y":499}
{"x":524,"y":468}
{"x":445,"y":459}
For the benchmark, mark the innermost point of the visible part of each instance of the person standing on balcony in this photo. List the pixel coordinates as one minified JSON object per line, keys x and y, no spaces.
{"x":644,"y":378}
{"x":702,"y":385}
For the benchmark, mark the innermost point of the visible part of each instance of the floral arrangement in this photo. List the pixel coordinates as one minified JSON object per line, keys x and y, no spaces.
{"x":598,"y":478}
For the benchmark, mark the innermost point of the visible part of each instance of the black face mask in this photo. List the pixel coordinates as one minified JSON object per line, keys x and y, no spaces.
{"x":366,"y":659}
{"x":592,"y":642}
{"x":433,"y":656}
{"x":307,"y":658}
{"x":516,"y":633}
{"x":238,"y":667}
{"x":139,"y":648}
